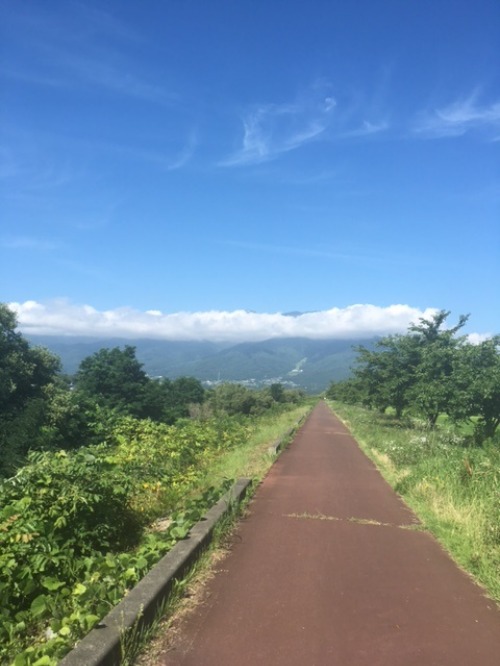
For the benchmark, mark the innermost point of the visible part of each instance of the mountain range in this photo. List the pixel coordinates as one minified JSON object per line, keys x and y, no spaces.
{"x":296,"y":362}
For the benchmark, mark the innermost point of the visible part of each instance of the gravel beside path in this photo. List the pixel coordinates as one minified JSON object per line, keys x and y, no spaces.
{"x":330,"y":568}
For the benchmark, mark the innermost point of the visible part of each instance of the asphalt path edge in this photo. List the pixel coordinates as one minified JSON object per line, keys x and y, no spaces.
{"x":102,"y":646}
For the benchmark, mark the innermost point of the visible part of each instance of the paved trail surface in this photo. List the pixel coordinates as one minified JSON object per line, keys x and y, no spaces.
{"x":330,"y":568}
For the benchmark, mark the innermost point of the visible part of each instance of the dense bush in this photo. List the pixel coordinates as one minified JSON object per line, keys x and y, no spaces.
{"x":72,"y":525}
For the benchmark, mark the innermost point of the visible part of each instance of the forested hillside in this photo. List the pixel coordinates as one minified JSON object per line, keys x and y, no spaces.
{"x":301,"y":362}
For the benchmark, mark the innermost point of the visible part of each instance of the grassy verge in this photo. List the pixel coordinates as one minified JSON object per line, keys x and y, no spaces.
{"x":454,"y":488}
{"x":251,"y":459}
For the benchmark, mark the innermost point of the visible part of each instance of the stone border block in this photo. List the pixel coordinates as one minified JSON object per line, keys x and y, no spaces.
{"x":279,"y":444}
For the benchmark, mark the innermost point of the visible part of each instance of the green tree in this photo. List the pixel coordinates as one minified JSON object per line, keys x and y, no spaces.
{"x":26,"y":375}
{"x":277,"y":392}
{"x":24,"y":370}
{"x":348,"y":390}
{"x":387,"y":373}
{"x":370,"y":377}
{"x":294,"y":396}
{"x":169,"y":400}
{"x":188,"y":390}
{"x":476,"y":377}
{"x":232,"y":399}
{"x":415,"y":370}
{"x":115,"y":378}
{"x":434,"y":389}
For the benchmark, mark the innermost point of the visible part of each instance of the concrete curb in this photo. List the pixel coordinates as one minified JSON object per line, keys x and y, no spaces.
{"x":102,"y":646}
{"x":279,"y":444}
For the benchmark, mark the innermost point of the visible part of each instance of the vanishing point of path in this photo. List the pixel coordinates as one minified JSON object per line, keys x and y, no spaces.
{"x":330,"y":568}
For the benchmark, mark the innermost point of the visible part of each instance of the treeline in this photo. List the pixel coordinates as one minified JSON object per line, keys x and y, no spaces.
{"x":428,"y":372}
{"x":42,"y":409}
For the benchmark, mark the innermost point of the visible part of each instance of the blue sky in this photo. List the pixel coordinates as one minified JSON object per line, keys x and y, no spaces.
{"x":212,"y":158}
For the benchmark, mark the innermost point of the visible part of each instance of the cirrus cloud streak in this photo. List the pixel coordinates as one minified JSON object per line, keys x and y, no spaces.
{"x":460,"y":117}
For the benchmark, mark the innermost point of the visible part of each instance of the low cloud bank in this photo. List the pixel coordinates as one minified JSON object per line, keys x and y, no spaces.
{"x":62,"y":317}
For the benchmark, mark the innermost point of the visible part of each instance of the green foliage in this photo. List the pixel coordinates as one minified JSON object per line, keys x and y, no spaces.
{"x":24,"y":370}
{"x":477,"y":382}
{"x":26,"y":375}
{"x":233,"y":399}
{"x":349,"y":391}
{"x":429,"y":372}
{"x":413,"y":369}
{"x":116,"y":379}
{"x":388,"y":375}
{"x":434,"y":383}
{"x":169,"y":400}
{"x":277,"y":392}
{"x":72,"y":526}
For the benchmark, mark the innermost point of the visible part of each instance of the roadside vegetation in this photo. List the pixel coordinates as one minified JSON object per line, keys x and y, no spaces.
{"x":426,"y":408}
{"x":102,"y":473}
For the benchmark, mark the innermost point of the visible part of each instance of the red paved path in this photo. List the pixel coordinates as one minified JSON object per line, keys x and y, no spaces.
{"x":308,"y":582}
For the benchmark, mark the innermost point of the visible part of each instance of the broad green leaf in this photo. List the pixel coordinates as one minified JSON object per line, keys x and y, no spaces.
{"x":79,"y":589}
{"x":45,"y":661}
{"x":141,"y":563}
{"x":90,"y":621}
{"x":39,"y":605}
{"x":52,"y":583}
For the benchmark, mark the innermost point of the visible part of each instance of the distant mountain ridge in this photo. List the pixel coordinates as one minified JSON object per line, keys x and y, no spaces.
{"x":302,"y":362}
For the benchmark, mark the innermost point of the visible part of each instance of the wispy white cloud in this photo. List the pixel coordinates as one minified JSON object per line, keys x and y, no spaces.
{"x":327,"y":176}
{"x":61,"y":317}
{"x":291,"y":250}
{"x":79,"y":47}
{"x":114,"y":78}
{"x":28,"y":243}
{"x":351,"y":253}
{"x":272,"y":129}
{"x":186,"y":153}
{"x":71,"y":72}
{"x":459,"y":117}
{"x":27,"y":164}
{"x":100,"y":21}
{"x":367,"y":128}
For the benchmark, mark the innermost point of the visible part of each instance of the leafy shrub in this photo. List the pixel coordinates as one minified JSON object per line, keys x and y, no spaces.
{"x":72,"y":527}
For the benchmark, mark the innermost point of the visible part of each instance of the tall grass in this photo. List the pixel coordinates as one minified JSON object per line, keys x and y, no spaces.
{"x":452,"y":486}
